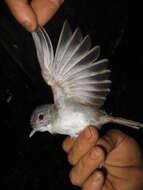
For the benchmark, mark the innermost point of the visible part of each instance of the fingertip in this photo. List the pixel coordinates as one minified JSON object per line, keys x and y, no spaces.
{"x":48,"y":7}
{"x":90,"y":133}
{"x":97,"y":153}
{"x":94,"y":132}
{"x":71,"y":159}
{"x":29,"y":25}
{"x":74,"y":178}
{"x":97,"y":176}
{"x":23,"y":14}
{"x":27,"y":18}
{"x":67,"y":144}
{"x":96,"y":181}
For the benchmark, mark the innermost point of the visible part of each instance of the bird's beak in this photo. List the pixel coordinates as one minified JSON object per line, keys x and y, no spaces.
{"x":32,"y":132}
{"x":42,"y":129}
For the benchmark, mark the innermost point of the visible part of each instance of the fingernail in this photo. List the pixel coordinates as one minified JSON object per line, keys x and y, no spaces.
{"x":74,"y":178}
{"x":87,"y":133}
{"x":97,"y":177}
{"x":29,"y":26}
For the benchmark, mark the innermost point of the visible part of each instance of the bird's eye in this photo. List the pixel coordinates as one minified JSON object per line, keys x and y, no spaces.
{"x":41,"y":117}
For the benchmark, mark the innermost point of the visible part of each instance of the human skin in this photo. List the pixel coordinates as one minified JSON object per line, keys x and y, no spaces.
{"x":122,"y":161}
{"x":39,"y":12}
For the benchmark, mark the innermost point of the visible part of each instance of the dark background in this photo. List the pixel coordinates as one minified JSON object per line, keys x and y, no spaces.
{"x":39,"y":162}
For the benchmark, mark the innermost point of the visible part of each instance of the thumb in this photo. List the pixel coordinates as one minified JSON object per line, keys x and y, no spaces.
{"x":23,"y":13}
{"x":111,"y":140}
{"x":45,"y":9}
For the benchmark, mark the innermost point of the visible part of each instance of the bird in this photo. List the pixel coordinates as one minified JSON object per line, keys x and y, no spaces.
{"x":79,"y":81}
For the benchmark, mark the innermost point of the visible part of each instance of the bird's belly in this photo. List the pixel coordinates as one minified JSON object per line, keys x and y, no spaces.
{"x":75,"y":118}
{"x":71,"y":123}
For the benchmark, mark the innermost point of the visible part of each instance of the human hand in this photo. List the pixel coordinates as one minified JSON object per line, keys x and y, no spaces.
{"x":39,"y":12}
{"x":122,"y":160}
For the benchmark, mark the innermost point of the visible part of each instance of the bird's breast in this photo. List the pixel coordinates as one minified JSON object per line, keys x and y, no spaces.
{"x":70,"y":123}
{"x":74,"y":118}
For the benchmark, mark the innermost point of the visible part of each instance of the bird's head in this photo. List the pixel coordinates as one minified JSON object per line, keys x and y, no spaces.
{"x":41,"y":119}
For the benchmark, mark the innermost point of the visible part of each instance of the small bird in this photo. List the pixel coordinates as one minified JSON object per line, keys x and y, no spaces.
{"x":79,"y":81}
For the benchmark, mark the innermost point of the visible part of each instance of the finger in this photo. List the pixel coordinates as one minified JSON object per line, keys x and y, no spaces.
{"x":115,"y":136}
{"x":83,"y":144}
{"x":87,"y":165}
{"x":110,"y":140}
{"x":67,"y":144}
{"x":94,"y":182}
{"x":106,"y":144}
{"x":45,"y":9}
{"x":124,"y":143}
{"x":23,"y":13}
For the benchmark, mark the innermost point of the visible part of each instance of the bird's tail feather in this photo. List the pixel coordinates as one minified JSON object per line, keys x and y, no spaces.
{"x":125,"y":122}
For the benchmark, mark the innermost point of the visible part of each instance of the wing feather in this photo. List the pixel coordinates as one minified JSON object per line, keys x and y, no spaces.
{"x":75,"y":71}
{"x":65,"y":35}
{"x":71,"y":45}
{"x":97,"y":66}
{"x":90,"y":56}
{"x":81,"y":49}
{"x":44,"y":48}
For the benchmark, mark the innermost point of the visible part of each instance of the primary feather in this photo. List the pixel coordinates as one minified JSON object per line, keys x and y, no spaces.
{"x":75,"y":71}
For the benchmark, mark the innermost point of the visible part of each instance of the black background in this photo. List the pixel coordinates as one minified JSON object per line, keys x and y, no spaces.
{"x":39,"y":162}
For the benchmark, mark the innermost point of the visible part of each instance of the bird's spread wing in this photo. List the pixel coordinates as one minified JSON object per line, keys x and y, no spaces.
{"x":75,"y":72}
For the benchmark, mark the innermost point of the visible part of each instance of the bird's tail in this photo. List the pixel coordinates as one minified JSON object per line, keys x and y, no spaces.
{"x":125,"y":122}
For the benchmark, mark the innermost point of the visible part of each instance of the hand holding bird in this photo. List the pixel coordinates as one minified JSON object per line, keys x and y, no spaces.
{"x":119,"y":155}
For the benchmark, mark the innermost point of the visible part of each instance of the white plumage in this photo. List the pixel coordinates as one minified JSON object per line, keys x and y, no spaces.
{"x":79,"y":82}
{"x":74,"y":68}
